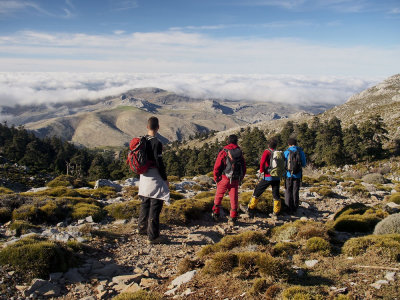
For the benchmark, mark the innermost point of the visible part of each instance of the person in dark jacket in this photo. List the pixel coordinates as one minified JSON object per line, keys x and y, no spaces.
{"x":293,"y":180}
{"x":266,"y":181}
{"x":153,"y":187}
{"x":229,"y":170}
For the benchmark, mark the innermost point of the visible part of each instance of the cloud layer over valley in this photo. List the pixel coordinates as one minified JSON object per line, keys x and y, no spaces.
{"x":33,"y":88}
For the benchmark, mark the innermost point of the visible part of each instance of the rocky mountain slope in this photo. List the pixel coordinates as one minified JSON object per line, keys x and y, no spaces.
{"x":113,"y":121}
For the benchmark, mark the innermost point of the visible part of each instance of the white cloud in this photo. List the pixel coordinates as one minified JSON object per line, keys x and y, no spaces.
{"x":184,"y":52}
{"x":27,"y":88}
{"x":10,"y":7}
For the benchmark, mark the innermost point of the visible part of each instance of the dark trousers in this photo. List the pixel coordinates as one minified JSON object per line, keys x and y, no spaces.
{"x":292,"y":188}
{"x":264,"y":184}
{"x":149,"y":217}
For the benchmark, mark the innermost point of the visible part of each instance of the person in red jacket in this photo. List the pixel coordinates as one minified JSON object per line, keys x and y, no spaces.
{"x":266,"y":180}
{"x":229,"y":170}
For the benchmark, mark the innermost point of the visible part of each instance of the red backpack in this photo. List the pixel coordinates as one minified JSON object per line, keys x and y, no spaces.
{"x":137,"y":158}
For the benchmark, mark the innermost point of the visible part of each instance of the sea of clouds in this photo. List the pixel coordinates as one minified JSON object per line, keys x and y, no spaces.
{"x":21,"y":88}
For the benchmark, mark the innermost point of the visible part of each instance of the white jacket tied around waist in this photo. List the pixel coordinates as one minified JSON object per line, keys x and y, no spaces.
{"x":151,"y":185}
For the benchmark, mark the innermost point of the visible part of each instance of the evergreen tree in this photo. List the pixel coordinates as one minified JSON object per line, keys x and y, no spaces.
{"x":329,"y":143}
{"x":373,"y":134}
{"x":352,"y":144}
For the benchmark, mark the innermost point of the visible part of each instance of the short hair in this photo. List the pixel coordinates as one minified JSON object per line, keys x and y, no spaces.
{"x":233,"y":139}
{"x":152,"y":123}
{"x":272,"y":143}
{"x":292,"y":142}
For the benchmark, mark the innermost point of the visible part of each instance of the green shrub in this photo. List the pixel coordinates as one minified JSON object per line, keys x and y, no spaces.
{"x":232,"y":241}
{"x":323,"y":191}
{"x":4,"y":190}
{"x":300,"y":293}
{"x":124,"y":210}
{"x":5,"y":214}
{"x":264,"y":204}
{"x":37,"y":257}
{"x":388,"y":245}
{"x":202,"y":195}
{"x":299,"y":230}
{"x":139,"y":295}
{"x":186,"y":265}
{"x":374,"y":178}
{"x":30,"y":213}
{"x":356,"y":223}
{"x":22,"y":227}
{"x":259,"y":286}
{"x":352,"y":209}
{"x":276,"y":268}
{"x":55,"y":211}
{"x":105,"y":192}
{"x":395,"y":198}
{"x":176,"y":195}
{"x":319,"y":245}
{"x":62,"y":180}
{"x":390,"y":224}
{"x":308,"y":181}
{"x":285,"y":248}
{"x":173,"y":178}
{"x":359,"y":190}
{"x":185,"y":210}
{"x":248,"y":185}
{"x":83,"y":210}
{"x":220,"y":263}
{"x":251,"y":171}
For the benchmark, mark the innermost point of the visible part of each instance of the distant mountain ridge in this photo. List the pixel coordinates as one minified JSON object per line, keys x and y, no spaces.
{"x":113,"y":121}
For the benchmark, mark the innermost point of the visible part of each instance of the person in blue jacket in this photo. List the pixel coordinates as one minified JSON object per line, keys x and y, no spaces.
{"x":295,"y":160}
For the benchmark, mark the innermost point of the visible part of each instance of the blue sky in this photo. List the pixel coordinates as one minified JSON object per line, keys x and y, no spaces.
{"x":315,"y":37}
{"x":304,"y":46}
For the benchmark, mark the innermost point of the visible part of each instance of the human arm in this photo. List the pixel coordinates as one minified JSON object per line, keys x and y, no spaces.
{"x":303,"y":158}
{"x":159,"y":160}
{"x":264,"y":163}
{"x":219,"y":165}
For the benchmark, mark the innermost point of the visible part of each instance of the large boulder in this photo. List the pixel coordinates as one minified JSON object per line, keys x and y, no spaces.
{"x":105,"y":182}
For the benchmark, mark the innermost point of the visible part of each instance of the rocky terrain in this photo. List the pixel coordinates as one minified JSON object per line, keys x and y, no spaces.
{"x":119,"y":118}
{"x":311,"y":253}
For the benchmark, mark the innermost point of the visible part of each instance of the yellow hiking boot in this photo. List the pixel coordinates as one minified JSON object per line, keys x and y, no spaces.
{"x":253,"y":203}
{"x":277,"y":207}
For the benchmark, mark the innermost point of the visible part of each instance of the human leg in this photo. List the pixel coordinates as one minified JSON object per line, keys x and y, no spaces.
{"x":276,"y":197}
{"x":259,"y":189}
{"x":153,"y":229}
{"x":296,"y":188}
{"x":144,"y":215}
{"x":233,"y":196}
{"x":222,"y":187}
{"x":289,"y":194}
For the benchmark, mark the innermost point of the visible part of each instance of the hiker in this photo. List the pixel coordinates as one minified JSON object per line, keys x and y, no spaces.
{"x":153,"y":187}
{"x":295,"y":160}
{"x":272,"y":168}
{"x":229,"y":171}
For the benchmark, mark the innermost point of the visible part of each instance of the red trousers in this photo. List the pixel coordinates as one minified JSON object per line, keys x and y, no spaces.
{"x":222,"y":187}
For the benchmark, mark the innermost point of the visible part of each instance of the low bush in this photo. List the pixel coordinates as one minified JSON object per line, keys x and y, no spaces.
{"x":185,"y":210}
{"x":395,"y":198}
{"x":359,"y":190}
{"x":220,"y":263}
{"x":186,"y":265}
{"x":258,"y":287}
{"x":56,"y":210}
{"x":6,"y":191}
{"x":139,"y":295}
{"x":83,"y":210}
{"x":308,"y":181}
{"x":356,"y":223}
{"x":36,"y":257}
{"x":22,"y":227}
{"x":352,"y":209}
{"x":381,"y":187}
{"x":300,"y":293}
{"x":319,"y":245}
{"x":105,"y":192}
{"x":390,"y":224}
{"x":232,"y":241}
{"x":62,"y":180}
{"x":202,"y":195}
{"x":323,"y":191}
{"x":176,"y":195}
{"x":5,"y":214}
{"x":173,"y":178}
{"x":249,"y":185}
{"x":374,"y":178}
{"x":299,"y":230}
{"x":285,"y":248}
{"x":387,"y":245}
{"x":124,"y":210}
{"x":264,"y":204}
{"x":30,"y":213}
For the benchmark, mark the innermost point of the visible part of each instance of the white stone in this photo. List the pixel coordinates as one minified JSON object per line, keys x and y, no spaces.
{"x":311,"y":263}
{"x":105,"y":182}
{"x":89,"y":219}
{"x":170,"y":292}
{"x":390,"y":276}
{"x":184,"y":278}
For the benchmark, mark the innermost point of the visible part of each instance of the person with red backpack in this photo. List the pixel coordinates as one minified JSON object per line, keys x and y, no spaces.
{"x":295,"y":160}
{"x":229,"y":171}
{"x":272,"y":168}
{"x":153,"y":186}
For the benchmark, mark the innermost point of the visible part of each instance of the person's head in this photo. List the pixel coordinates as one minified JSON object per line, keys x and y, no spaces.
{"x":232,"y":139}
{"x":292,"y":142}
{"x":272,"y":143}
{"x":152,"y":124}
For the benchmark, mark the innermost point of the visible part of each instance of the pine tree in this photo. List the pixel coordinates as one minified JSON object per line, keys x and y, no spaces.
{"x":374,"y":134}
{"x":352,"y":144}
{"x":329,"y":143}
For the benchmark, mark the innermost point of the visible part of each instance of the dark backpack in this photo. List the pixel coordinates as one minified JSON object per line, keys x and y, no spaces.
{"x":137,"y":155}
{"x":294,"y":165}
{"x":234,"y":164}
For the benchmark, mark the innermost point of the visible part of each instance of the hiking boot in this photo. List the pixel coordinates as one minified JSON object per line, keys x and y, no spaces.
{"x":215,"y":216}
{"x":158,"y":240}
{"x":232,"y":221}
{"x":244,"y":209}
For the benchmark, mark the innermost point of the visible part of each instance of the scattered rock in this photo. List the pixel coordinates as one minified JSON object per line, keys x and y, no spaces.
{"x":378,"y":284}
{"x":73,"y":276}
{"x":311,"y":263}
{"x":148,"y":282}
{"x":390,"y":276}
{"x":105,"y":182}
{"x":184,"y":278}
{"x":43,"y":288}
